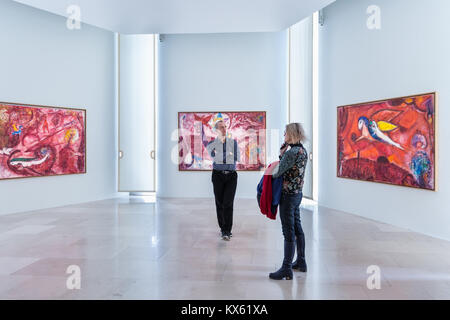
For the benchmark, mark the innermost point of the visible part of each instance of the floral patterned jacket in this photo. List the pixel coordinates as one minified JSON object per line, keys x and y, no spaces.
{"x":292,"y":167}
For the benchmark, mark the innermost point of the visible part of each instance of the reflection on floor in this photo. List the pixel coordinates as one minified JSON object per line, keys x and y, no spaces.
{"x":135,"y":249}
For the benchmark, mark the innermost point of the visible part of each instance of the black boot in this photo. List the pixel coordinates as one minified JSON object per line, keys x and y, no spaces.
{"x":286,"y":269}
{"x":300,"y":263}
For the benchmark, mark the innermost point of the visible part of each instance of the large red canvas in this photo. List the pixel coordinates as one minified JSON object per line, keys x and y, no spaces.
{"x":41,"y":141}
{"x":389,"y":141}
{"x":196,"y":129}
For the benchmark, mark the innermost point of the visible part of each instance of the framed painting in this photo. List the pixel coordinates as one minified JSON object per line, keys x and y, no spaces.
{"x":37,"y":141}
{"x":389,"y":141}
{"x":197,"y":129}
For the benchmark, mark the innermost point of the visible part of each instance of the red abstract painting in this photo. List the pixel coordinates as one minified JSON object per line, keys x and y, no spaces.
{"x":390,"y":141}
{"x":41,"y":141}
{"x":196,"y":130}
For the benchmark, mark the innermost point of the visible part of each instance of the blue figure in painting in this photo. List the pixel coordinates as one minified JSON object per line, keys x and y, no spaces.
{"x":17,"y":131}
{"x":421,"y":168}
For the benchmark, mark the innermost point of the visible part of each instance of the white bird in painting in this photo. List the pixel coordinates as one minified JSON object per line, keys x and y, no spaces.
{"x":370,"y":130}
{"x":380,"y":136}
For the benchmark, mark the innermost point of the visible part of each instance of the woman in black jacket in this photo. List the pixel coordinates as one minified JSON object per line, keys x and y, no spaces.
{"x":293,"y":160}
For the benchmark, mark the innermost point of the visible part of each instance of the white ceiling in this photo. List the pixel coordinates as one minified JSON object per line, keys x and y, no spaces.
{"x":186,"y":16}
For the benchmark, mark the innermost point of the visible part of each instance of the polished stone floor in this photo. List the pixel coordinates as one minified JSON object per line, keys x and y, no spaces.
{"x":134,"y":248}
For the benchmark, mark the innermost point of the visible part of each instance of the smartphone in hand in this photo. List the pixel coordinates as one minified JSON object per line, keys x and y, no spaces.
{"x":283,"y":148}
{"x":284,"y":145}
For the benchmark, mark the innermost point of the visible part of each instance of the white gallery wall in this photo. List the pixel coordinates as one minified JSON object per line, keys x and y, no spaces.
{"x":137,"y":113}
{"x":408,"y":55}
{"x":217,"y":72}
{"x":44,"y":63}
{"x":300,"y":104}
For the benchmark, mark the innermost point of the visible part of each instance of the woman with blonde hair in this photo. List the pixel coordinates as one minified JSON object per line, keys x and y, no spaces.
{"x":293,"y":160}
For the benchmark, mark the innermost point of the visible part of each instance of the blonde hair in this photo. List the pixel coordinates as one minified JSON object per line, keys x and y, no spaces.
{"x":295,"y":133}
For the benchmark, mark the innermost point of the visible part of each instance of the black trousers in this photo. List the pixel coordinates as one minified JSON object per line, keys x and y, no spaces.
{"x":224,"y":192}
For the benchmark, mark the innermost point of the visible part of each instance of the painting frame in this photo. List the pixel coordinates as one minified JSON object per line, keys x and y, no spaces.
{"x":36,"y":106}
{"x":225,"y":111}
{"x":435,"y":147}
